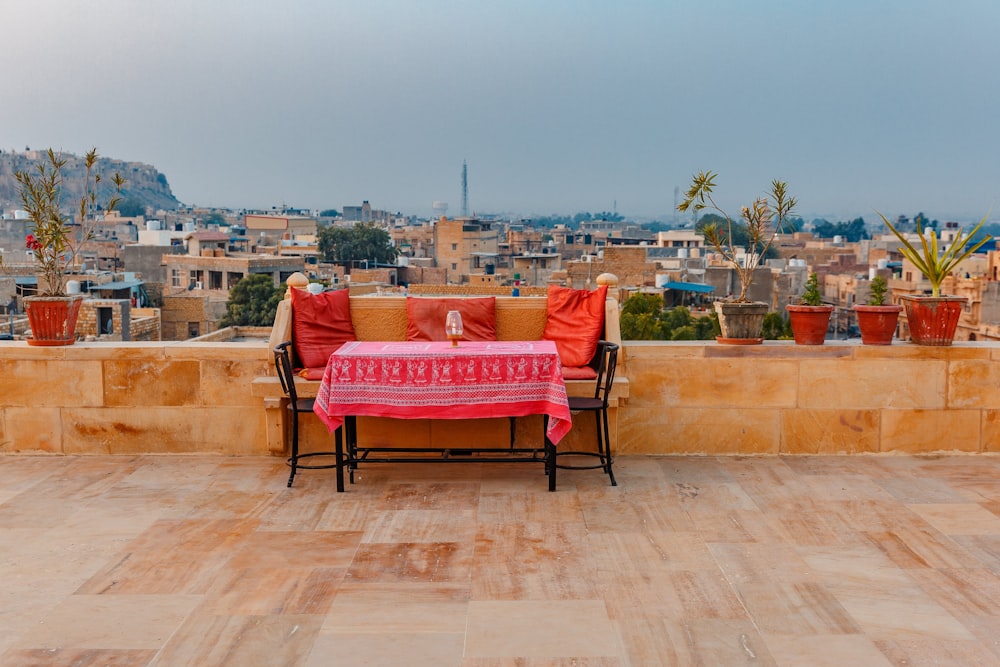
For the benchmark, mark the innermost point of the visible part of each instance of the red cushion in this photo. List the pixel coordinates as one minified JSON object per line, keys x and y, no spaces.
{"x":575,"y":322}
{"x":577,"y":373}
{"x":425,"y":318}
{"x":312,"y":373}
{"x":321,"y":323}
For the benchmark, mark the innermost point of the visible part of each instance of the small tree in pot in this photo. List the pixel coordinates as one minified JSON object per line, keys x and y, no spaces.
{"x":810,"y":319}
{"x":54,"y":241}
{"x":877,"y":319}
{"x":761,"y":222}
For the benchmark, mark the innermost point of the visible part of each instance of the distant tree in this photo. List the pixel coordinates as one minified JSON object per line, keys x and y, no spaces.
{"x":361,"y":242}
{"x":644,"y":318}
{"x":776,"y":327}
{"x":214,"y":218}
{"x":852,"y":231}
{"x":131,"y":207}
{"x":329,"y":213}
{"x":253,"y":301}
{"x":640,"y":303}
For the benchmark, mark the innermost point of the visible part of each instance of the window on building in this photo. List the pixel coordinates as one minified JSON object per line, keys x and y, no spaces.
{"x":454,"y":246}
{"x":105,"y":321}
{"x":194,"y":329}
{"x":215,"y":280}
{"x":175,"y":278}
{"x":454,"y":266}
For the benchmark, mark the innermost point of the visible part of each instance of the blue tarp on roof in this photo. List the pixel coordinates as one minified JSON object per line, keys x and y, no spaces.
{"x":121,"y":284}
{"x":701,"y":288}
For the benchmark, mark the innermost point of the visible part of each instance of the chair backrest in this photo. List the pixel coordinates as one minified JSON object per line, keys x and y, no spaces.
{"x":607,"y":363}
{"x":283,"y":364}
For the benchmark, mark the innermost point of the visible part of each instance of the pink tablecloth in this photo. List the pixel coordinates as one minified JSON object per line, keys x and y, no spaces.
{"x":433,"y":380}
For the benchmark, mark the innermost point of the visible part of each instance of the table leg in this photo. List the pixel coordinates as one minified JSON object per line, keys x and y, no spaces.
{"x":550,"y":455}
{"x":351,"y":427}
{"x":338,"y":439}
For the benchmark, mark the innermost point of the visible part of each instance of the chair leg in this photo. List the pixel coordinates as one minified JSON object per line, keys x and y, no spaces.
{"x":293,"y":460}
{"x":606,"y":449}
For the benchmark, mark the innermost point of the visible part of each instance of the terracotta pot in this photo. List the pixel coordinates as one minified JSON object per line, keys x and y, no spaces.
{"x":932,"y":320}
{"x":877,"y":323}
{"x":52,"y":319}
{"x":809,"y":323}
{"x":741,"y":323}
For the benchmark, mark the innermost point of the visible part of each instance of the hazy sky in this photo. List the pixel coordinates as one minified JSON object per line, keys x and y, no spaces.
{"x":558,"y":106}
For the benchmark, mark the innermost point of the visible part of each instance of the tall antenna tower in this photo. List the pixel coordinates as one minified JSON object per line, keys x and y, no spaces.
{"x":465,"y":190}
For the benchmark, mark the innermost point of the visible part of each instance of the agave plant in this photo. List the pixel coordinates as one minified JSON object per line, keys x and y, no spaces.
{"x":934,"y":263}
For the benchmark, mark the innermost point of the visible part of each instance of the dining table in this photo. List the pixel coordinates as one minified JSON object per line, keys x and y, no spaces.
{"x":440,"y":380}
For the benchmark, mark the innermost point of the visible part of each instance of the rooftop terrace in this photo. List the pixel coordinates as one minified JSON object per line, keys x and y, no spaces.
{"x":209,"y":560}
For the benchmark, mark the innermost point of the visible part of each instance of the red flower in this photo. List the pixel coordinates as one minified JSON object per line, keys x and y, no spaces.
{"x":29,"y":241}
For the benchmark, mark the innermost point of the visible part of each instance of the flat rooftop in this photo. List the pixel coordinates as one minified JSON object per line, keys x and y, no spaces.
{"x":780,"y":560}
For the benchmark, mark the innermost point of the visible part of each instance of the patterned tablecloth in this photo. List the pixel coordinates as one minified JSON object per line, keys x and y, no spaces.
{"x":433,"y":380}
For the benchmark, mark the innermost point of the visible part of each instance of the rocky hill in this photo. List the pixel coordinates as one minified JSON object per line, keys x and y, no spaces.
{"x":142,"y":181}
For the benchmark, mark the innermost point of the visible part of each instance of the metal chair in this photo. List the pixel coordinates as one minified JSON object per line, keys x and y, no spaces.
{"x":605,"y":362}
{"x":296,"y":406}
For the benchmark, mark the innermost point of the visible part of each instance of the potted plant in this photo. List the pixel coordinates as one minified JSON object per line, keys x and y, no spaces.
{"x":810,"y":318}
{"x":742,"y":245}
{"x":54,"y":242}
{"x":933,"y":319}
{"x":877,"y":319}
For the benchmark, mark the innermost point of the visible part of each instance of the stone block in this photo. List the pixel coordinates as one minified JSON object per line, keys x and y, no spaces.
{"x":666,"y":430}
{"x":152,"y":383}
{"x":922,"y":431}
{"x":974,"y":384}
{"x":167,"y":430}
{"x":710,"y":382}
{"x":829,"y":431}
{"x":461,"y":433}
{"x":44,"y":383}
{"x":229,"y":382}
{"x":991,"y":430}
{"x":871,"y":384}
{"x":35,"y":429}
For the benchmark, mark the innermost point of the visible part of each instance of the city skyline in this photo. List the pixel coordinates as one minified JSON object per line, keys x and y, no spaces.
{"x":557,"y":107}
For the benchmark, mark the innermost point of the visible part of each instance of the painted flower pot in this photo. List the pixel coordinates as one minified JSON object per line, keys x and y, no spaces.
{"x":809,"y":323}
{"x":933,"y":320}
{"x":741,"y":323}
{"x":52,"y":319}
{"x":877,"y":323}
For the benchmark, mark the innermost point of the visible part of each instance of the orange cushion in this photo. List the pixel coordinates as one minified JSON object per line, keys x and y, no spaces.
{"x":575,"y":322}
{"x":321,"y":323}
{"x":425,"y":318}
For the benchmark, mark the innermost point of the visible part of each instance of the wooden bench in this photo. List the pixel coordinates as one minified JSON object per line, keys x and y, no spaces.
{"x":384,"y":318}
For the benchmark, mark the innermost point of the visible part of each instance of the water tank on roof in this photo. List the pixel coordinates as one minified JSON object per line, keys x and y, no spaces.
{"x":661,"y":280}
{"x":153,"y":225}
{"x":682,"y":253}
{"x":72,"y":287}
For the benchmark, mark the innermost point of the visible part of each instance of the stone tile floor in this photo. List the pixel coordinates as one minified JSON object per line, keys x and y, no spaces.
{"x":802,"y":561}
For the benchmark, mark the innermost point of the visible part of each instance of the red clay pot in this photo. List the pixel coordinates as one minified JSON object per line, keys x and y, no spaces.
{"x":52,"y":319}
{"x":877,"y":323}
{"x":932,"y":320}
{"x":809,"y":323}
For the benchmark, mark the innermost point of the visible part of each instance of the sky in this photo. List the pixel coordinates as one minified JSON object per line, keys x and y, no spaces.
{"x":557,"y":106}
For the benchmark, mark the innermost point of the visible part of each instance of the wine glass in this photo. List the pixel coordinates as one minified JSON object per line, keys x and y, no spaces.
{"x":453,"y":326}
